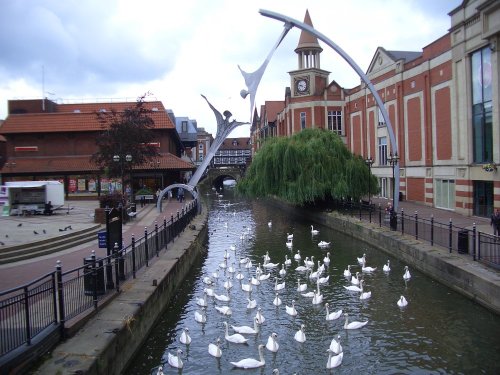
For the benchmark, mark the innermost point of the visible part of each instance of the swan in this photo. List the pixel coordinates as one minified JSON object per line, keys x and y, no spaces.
{"x":309,"y":262}
{"x":175,"y":361}
{"x":353,"y":325}
{"x":259,"y":317}
{"x":386,"y":267}
{"x":223,"y":264}
{"x":207,"y":280}
{"x":236,"y":338}
{"x":317,"y":299}
{"x":290,"y":310}
{"x":289,"y":243}
{"x":266,"y":257}
{"x":231,"y":268}
{"x":160,"y":370}
{"x":185,"y":338}
{"x":239,"y":276}
{"x":402,"y":302}
{"x":364,"y":295}
{"x":224,"y":310}
{"x":353,"y":288}
{"x":406,"y":275}
{"x":222,"y":298}
{"x":326,"y":259}
{"x":297,"y":256}
{"x":251,"y":362}
{"x":200,"y":317}
{"x":202,"y":301}
{"x":226,"y":255}
{"x":246,"y":329}
{"x":269,"y":223}
{"x":248,"y":264}
{"x":301,"y":287}
{"x":264,"y":277}
{"x":314,"y":231}
{"x":244,"y":260}
{"x":272,"y":343}
{"x":287,"y":261}
{"x":334,"y":360}
{"x":279,"y":286}
{"x":323,"y":244}
{"x":335,"y":346}
{"x":252,"y":303}
{"x":364,"y":268}
{"x":355,"y":279}
{"x":308,"y":294}
{"x":214,"y":349}
{"x":334,"y":315}
{"x":215,"y":274}
{"x":277,"y":300}
{"x":247,"y":287}
{"x":227,"y":284}
{"x":289,"y":236}
{"x":232,"y":247}
{"x":258,"y":270}
{"x":270,"y":265}
{"x":300,"y":336}
{"x":301,"y":269}
{"x":347,"y":272}
{"x":254,"y":281}
{"x":323,"y":280}
{"x":282,"y":270}
{"x":362,"y":259}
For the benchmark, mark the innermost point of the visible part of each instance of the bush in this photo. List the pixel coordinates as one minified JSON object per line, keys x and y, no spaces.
{"x":112,"y":200}
{"x":144,"y":191}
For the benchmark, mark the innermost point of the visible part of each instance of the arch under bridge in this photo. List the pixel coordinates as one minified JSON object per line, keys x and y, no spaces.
{"x":216,"y":176}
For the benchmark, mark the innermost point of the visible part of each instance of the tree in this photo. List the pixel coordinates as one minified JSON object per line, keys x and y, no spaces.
{"x":313,"y":165}
{"x":125,"y":133}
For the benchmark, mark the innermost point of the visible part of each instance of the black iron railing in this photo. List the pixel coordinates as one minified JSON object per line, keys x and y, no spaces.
{"x":49,"y":302}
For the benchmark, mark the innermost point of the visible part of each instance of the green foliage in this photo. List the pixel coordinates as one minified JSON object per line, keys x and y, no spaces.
{"x":313,"y":165}
{"x":144,"y":191}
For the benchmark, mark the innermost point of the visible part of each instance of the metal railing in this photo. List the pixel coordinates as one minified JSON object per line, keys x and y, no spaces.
{"x":45,"y":305}
{"x":483,"y":247}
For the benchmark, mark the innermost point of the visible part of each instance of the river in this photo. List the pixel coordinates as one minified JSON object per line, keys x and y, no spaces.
{"x":438,"y":332}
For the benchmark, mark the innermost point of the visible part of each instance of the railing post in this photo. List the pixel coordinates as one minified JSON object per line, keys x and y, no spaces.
{"x":432,"y":230}
{"x":370,"y":211}
{"x":165,"y":232}
{"x":416,"y":224}
{"x":94,"y":278}
{"x":360,"y":210}
{"x":402,"y":221}
{"x":133,"y":256}
{"x":171,"y":228}
{"x":450,"y":238}
{"x":27,"y":315}
{"x":474,"y":232}
{"x":157,"y":242}
{"x":60,"y":298}
{"x":117,"y":271}
{"x":146,"y":245}
{"x":379,"y":215}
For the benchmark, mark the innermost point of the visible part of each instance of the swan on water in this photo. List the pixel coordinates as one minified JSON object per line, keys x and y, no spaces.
{"x":203,"y":300}
{"x":277,"y":300}
{"x":251,"y":362}
{"x":364,"y":268}
{"x":289,"y":236}
{"x":326,"y":259}
{"x":334,"y":315}
{"x":314,"y":231}
{"x":335,"y":346}
{"x":259,"y":317}
{"x":214,"y":349}
{"x":317,"y":299}
{"x":290,"y":310}
{"x":231,"y":268}
{"x":347,"y":272}
{"x":300,"y":336}
{"x":334,"y":360}
{"x":252,"y":303}
{"x":353,"y":288}
{"x":353,"y":325}
{"x":324,"y":280}
{"x":160,"y":370}
{"x":297,"y":256}
{"x":254,"y":281}
{"x":406,"y":275}
{"x":289,"y":243}
{"x":301,"y":269}
{"x":402,"y":302}
{"x":364,"y":295}
{"x":175,"y":361}
{"x":308,"y":294}
{"x":269,"y":223}
{"x":309,"y":262}
{"x":207,"y":280}
{"x":362,"y":259}
{"x":248,"y":264}
{"x":235,"y":338}
{"x":272,"y":343}
{"x":227,"y":284}
{"x":323,"y":244}
{"x":244,"y":260}
{"x":387,"y":267}
{"x":282,"y":270}
{"x":239,"y":276}
{"x":301,"y":287}
{"x":355,"y":279}
{"x":279,"y":286}
{"x":287,"y":261}
{"x":222,"y":298}
{"x":247,"y":329}
{"x":224,"y":310}
{"x":185,"y":338}
{"x":247,"y":287}
{"x":270,"y":265}
{"x":264,"y":276}
{"x":200,"y":317}
{"x":266,"y":257}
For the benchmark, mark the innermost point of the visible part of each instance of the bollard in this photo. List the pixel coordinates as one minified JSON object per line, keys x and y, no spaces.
{"x":450,"y":237}
{"x":416,"y":224}
{"x":432,"y":230}
{"x":402,"y":221}
{"x":380,"y":215}
{"x":157,"y":243}
{"x":146,"y":245}
{"x":60,"y":295}
{"x":133,"y":256}
{"x":474,"y":232}
{"x":117,"y":277}
{"x":165,"y":232}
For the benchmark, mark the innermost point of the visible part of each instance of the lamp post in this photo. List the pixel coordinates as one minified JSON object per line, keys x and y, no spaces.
{"x":369,"y":163}
{"x":393,"y":161}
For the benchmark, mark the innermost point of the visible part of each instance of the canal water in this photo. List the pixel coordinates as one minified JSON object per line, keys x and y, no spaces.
{"x":438,"y":332}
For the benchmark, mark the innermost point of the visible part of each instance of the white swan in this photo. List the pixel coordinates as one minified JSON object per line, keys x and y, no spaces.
{"x":347,"y":272}
{"x":251,"y":362}
{"x":227,"y":284}
{"x":326,"y":259}
{"x":222,"y":298}
{"x":214,"y":349}
{"x":279,"y":286}
{"x":255,"y":281}
{"x":301,"y":269}
{"x":224,"y":310}
{"x":252,"y":303}
{"x":364,"y":268}
{"x":317,"y":299}
{"x":160,"y":370}
{"x":234,"y":338}
{"x":355,"y":279}
{"x":202,"y":301}
{"x":185,"y":338}
{"x":200,"y":317}
{"x":215,"y":274}
{"x":334,"y":360}
{"x":290,"y":310}
{"x":364,"y":295}
{"x":309,"y":262}
{"x":231,"y":268}
{"x":308,"y":294}
{"x":335,"y":346}
{"x":269,"y":223}
{"x":282,"y":270}
{"x":406,"y":275}
{"x":323,"y":244}
{"x":272,"y":343}
{"x":324,"y":280}
{"x":266,"y":257}
{"x":297,"y":256}
{"x":402,"y":302}
{"x":289,"y":243}
{"x":334,"y":315}
{"x":387,"y":267}
{"x":301,"y":287}
{"x":353,"y":325}
{"x":287,"y":261}
{"x":314,"y":231}
{"x":289,"y":236}
{"x":362,"y":259}
{"x":259,"y":317}
{"x":248,"y":264}
{"x":277,"y":300}
{"x":247,"y":329}
{"x":207,"y":280}
{"x":300,"y":336}
{"x":247,"y":287}
{"x":175,"y":361}
{"x":264,"y":277}
{"x":244,"y":260}
{"x":239,"y":276}
{"x":353,"y":288}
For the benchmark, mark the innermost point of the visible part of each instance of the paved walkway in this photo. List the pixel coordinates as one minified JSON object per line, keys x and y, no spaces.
{"x":18,"y":230}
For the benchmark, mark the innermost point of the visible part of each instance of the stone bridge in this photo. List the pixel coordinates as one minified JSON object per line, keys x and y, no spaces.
{"x":216,"y":176}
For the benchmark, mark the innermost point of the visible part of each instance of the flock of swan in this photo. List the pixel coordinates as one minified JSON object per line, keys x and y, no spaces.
{"x":249,"y":275}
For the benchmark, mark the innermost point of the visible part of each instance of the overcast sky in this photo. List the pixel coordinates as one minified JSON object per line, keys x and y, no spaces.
{"x":69,"y":50}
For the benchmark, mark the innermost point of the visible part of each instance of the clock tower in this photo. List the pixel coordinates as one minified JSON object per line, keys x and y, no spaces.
{"x":308,"y":79}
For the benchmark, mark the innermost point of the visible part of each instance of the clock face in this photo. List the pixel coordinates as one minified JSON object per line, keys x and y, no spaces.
{"x":302,"y":85}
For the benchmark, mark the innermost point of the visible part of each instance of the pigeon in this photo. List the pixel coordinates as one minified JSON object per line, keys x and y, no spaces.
{"x":61,"y":230}
{"x":35,"y":232}
{"x":44,"y":231}
{"x":19,"y":224}
{"x":1,"y":243}
{"x":6,"y":236}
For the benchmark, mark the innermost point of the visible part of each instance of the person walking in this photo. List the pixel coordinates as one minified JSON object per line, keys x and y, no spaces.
{"x":495,"y":222}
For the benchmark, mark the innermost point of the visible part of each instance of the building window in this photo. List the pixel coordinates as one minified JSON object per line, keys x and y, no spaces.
{"x":445,"y":194}
{"x":482,"y":118}
{"x":383,"y":187}
{"x":200,"y":146}
{"x":381,"y":121}
{"x":335,"y":121}
{"x":184,"y":126}
{"x":483,"y":198}
{"x":302,"y":120}
{"x":200,"y":157}
{"x":382,"y":151}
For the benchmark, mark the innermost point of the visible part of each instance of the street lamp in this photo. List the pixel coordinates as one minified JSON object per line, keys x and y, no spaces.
{"x":393,"y":161}
{"x":119,"y":159}
{"x":369,"y":163}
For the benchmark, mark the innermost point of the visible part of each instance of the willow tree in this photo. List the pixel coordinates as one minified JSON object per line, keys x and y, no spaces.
{"x":311,"y":166}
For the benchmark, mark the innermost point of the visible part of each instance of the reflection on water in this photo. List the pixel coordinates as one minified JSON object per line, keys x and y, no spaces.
{"x":439,"y":332}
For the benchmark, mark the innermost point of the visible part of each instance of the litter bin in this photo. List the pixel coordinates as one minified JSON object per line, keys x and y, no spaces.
{"x":463,"y":241}
{"x":89,"y":281}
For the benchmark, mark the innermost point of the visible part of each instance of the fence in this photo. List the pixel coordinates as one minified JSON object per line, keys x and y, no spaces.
{"x":483,"y":247}
{"x":35,"y":313}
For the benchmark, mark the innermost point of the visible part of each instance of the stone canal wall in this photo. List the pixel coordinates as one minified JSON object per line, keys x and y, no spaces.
{"x":459,"y":272}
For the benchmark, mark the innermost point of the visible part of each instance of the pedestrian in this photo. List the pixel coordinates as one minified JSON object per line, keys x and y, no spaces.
{"x":181,"y":194}
{"x":495,"y":222}
{"x":158,"y":192}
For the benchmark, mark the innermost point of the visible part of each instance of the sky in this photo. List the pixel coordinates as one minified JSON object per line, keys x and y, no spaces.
{"x":93,"y":50}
